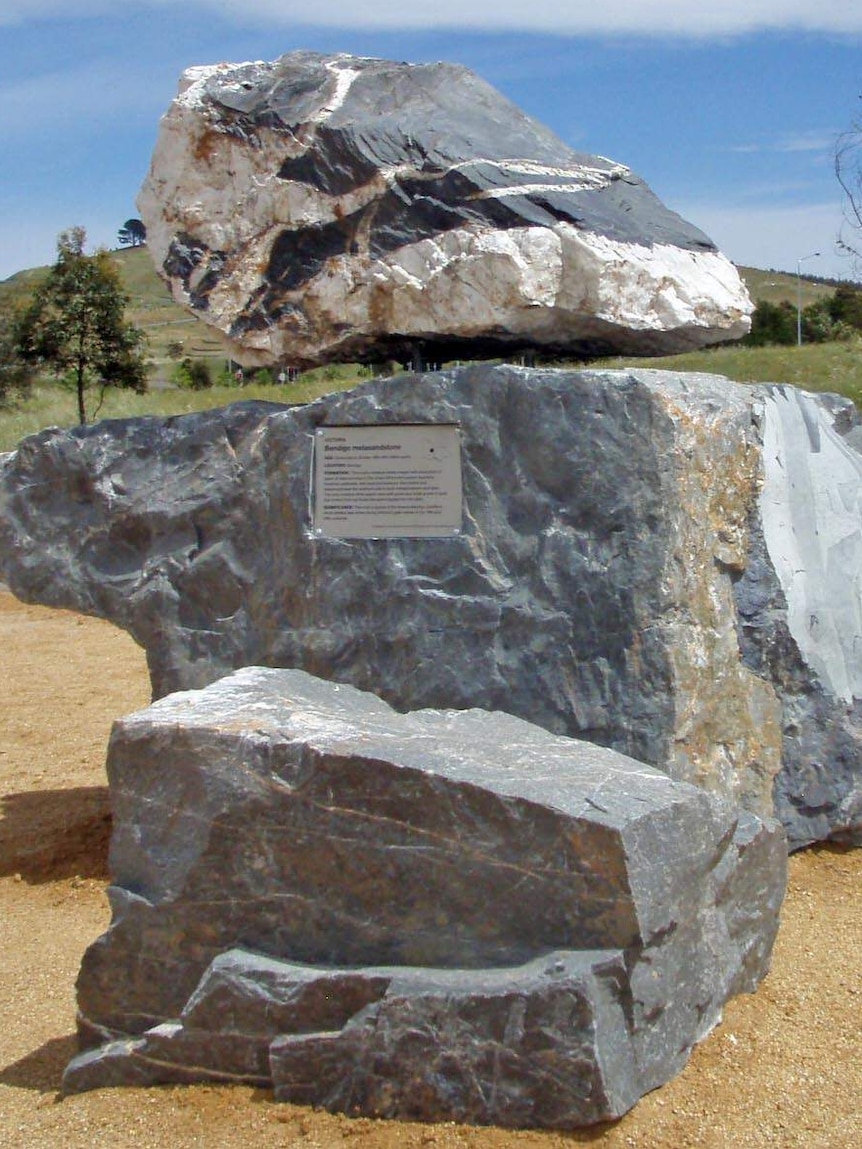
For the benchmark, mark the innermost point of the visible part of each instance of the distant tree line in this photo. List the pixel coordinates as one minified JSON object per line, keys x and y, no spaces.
{"x":834,"y":317}
{"x":823,"y":280}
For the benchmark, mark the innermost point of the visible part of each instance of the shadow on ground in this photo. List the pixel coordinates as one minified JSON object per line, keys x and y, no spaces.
{"x":41,"y":1070}
{"x":46,"y":835}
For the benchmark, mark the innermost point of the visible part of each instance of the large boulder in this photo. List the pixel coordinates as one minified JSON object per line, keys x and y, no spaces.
{"x":324,"y":208}
{"x":665,"y":564}
{"x":443,"y":915}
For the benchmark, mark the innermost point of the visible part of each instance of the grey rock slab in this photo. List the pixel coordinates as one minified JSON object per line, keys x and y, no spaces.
{"x":321,"y":208}
{"x":811,"y":511}
{"x":800,"y":607}
{"x":544,"y":1044}
{"x":619,"y":575}
{"x":392,"y":881}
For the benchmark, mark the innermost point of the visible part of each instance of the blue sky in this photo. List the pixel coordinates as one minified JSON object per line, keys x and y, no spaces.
{"x":728,"y":108}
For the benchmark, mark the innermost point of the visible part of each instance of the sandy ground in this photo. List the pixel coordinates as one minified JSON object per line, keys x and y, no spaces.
{"x":783,"y":1069}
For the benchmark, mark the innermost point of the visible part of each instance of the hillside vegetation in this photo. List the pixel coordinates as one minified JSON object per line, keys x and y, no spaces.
{"x":171,"y":332}
{"x":815,"y":366}
{"x":151,"y":308}
{"x":780,"y":286}
{"x":835,"y":367}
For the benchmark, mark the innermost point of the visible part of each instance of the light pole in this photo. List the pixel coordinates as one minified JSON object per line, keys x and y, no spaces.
{"x":799,"y":263}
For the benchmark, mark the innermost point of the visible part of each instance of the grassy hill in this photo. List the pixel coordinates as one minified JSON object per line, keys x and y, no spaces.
{"x":154,"y":311}
{"x":781,"y":286}
{"x":819,"y":367}
{"x":151,"y":308}
{"x":165,"y":322}
{"x":833,"y":367}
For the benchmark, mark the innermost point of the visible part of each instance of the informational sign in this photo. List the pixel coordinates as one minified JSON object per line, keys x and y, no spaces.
{"x":387,"y":481}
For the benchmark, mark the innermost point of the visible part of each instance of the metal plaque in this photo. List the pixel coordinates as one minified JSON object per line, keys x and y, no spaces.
{"x":387,"y":481}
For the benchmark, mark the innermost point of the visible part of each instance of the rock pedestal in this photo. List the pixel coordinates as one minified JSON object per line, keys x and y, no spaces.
{"x":662,"y":563}
{"x":443,"y":915}
{"x":335,"y":208}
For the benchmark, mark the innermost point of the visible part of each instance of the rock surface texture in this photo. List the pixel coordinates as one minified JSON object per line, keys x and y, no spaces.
{"x":324,"y":208}
{"x":443,"y":915}
{"x":661,"y":563}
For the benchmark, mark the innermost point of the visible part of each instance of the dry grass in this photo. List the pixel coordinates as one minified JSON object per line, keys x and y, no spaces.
{"x":50,"y":405}
{"x":835,"y":367}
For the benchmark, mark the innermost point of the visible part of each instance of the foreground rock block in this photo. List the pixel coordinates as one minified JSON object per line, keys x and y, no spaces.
{"x":666,"y":564}
{"x":325,"y":208}
{"x":438,"y":915}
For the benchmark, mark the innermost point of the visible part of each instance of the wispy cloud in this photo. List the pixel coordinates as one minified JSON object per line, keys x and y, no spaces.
{"x":89,"y":95}
{"x":758,"y":236}
{"x":28,"y":11}
{"x":810,"y":141}
{"x":30,"y":238}
{"x":580,"y":17}
{"x":786,"y":192}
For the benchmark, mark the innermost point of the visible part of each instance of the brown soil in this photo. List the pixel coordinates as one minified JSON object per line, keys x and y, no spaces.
{"x":784,"y":1068}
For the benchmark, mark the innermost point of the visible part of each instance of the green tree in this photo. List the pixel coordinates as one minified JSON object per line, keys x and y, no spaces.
{"x":132,"y":234}
{"x":831,"y":318}
{"x":772,"y":323}
{"x":845,"y":306}
{"x":819,"y":324}
{"x":15,"y":374}
{"x":75,"y":325}
{"x":834,"y":318}
{"x":193,"y":374}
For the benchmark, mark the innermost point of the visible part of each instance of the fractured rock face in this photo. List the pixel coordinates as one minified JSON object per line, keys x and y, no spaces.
{"x":324,"y":208}
{"x":799,"y":604}
{"x":629,"y":568}
{"x":443,"y":915}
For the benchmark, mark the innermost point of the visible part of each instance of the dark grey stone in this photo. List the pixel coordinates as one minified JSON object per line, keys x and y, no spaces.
{"x":545,"y":1045}
{"x":613,"y":579}
{"x":442,"y":915}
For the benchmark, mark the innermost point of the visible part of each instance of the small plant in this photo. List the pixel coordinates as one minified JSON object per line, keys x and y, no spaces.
{"x":192,"y":374}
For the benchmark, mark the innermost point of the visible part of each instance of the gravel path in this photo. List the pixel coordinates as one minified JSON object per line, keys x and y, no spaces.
{"x":784,"y":1068}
